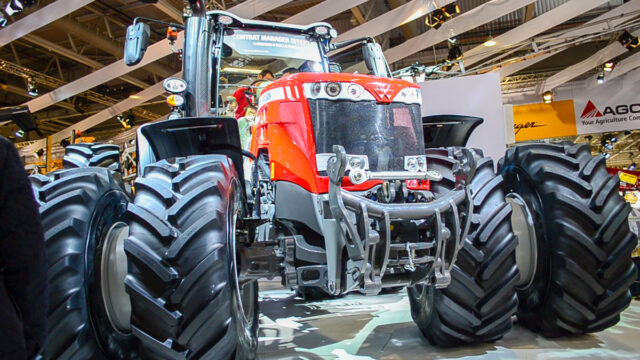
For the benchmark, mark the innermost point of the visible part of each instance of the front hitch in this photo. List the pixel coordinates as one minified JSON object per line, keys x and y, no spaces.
{"x":368,"y":249}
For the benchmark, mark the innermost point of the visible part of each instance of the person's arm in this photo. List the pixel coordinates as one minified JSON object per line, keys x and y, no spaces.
{"x":22,"y":254}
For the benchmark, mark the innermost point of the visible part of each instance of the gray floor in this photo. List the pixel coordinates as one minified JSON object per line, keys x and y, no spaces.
{"x":356,"y":327}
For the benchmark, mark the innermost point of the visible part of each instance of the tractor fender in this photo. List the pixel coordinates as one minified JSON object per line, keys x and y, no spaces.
{"x":448,"y":130}
{"x":189,"y":136}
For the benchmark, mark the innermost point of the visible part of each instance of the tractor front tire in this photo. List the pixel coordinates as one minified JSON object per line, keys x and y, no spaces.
{"x":480,"y":301}
{"x":186,"y":301}
{"x":82,"y":212}
{"x":92,"y":154}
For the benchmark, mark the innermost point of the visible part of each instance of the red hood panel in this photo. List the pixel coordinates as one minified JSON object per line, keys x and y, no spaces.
{"x":383,"y":89}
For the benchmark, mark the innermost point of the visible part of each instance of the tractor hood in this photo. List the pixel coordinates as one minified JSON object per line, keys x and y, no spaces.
{"x":384,"y":90}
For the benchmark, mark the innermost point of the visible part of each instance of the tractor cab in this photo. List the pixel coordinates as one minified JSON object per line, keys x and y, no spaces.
{"x":297,"y":113}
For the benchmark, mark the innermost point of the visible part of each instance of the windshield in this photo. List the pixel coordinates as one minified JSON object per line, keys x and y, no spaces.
{"x":384,"y":132}
{"x":253,"y":58}
{"x":246,"y":53}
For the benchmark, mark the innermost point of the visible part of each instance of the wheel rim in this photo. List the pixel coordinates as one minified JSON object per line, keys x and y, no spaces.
{"x":113,"y":272}
{"x":523,"y":227}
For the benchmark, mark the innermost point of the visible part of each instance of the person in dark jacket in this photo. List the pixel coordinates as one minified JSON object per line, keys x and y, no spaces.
{"x":23,"y":267}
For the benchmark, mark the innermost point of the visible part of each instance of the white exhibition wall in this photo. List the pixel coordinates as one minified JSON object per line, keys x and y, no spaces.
{"x":477,"y":95}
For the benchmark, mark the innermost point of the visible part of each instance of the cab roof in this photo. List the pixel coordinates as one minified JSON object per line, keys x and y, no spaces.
{"x":239,"y":22}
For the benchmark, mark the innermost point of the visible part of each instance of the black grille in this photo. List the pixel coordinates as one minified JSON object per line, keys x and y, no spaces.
{"x":384,"y":132}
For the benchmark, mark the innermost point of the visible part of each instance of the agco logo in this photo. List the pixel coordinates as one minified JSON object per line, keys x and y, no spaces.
{"x":591,"y":111}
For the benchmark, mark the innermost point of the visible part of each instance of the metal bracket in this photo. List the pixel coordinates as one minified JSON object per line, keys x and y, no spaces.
{"x":466,"y":165}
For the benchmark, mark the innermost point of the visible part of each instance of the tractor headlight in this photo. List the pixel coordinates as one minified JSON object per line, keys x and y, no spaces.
{"x":357,"y":162}
{"x":415,"y":163}
{"x":355,"y":91}
{"x":174,"y":85}
{"x":337,"y":91}
{"x":412,"y":165}
{"x":225,"y":19}
{"x":354,"y":162}
{"x":316,"y":89}
{"x":333,"y":89}
{"x":321,"y":30}
{"x":409,"y":96}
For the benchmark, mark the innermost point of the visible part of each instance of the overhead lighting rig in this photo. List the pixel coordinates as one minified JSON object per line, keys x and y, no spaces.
{"x":628,"y":41}
{"x":547,"y":97}
{"x":609,"y":65}
{"x":127,"y":121}
{"x":436,"y":18}
{"x":32,"y":89}
{"x":14,"y":7}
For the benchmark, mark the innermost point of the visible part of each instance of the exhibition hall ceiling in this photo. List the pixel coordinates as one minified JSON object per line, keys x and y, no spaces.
{"x":538,"y":45}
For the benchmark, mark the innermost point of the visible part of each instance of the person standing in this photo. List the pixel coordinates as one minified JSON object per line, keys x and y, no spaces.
{"x":23,"y":267}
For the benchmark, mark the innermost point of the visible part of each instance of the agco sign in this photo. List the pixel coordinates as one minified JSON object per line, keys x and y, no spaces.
{"x":611,"y":114}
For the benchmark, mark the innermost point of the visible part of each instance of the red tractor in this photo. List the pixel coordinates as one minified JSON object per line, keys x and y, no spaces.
{"x":344,"y":191}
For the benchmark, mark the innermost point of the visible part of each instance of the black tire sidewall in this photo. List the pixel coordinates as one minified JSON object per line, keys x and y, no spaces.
{"x":109,"y":210}
{"x":247,"y":330}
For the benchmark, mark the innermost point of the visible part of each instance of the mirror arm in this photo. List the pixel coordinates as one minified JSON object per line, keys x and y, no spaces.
{"x":346,"y":43}
{"x":179,"y":26}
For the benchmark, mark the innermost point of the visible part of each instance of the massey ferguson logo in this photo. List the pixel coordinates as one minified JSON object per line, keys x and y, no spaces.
{"x":383,"y":90}
{"x":611,"y":114}
{"x":590,"y":111}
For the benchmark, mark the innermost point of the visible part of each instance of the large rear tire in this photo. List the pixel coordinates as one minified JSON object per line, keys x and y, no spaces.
{"x":479,"y":303}
{"x":584,"y":266}
{"x":82,"y":213}
{"x":92,"y":154}
{"x":186,"y":302}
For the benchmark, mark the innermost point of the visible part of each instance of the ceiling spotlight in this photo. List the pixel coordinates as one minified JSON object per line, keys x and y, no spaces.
{"x":14,"y":7}
{"x":629,"y":41}
{"x":20,"y":133}
{"x":606,"y":155}
{"x":38,"y":153}
{"x":3,"y":84}
{"x":451,"y":9}
{"x":547,"y":97}
{"x":600,"y":78}
{"x":3,"y":20}
{"x":130,"y":119}
{"x":32,"y":90}
{"x":632,"y":166}
{"x":607,"y":143}
{"x":436,"y":18}
{"x":126,"y":121}
{"x":490,"y":42}
{"x":609,"y":65}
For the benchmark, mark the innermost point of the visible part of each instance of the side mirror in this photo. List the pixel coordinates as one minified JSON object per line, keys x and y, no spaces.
{"x":136,"y":43}
{"x":374,"y":59}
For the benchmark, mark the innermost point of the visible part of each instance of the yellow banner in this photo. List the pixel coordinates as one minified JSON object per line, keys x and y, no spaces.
{"x":543,"y":121}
